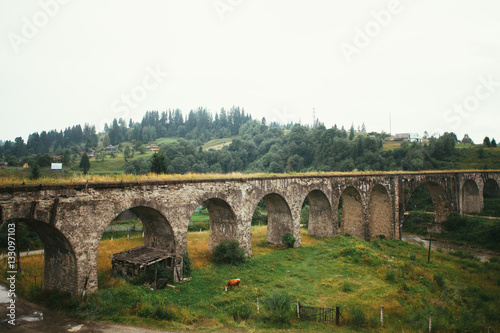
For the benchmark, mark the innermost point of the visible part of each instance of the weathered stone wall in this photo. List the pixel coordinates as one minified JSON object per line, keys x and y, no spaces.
{"x":381,"y":213}
{"x":71,"y":219}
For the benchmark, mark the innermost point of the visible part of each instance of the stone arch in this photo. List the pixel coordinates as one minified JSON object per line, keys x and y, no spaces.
{"x":352,"y":221}
{"x":223,"y":224}
{"x":158,"y":232}
{"x":60,"y":270}
{"x":491,"y":189}
{"x":322,"y":221}
{"x":440,"y":200}
{"x":279,"y":219}
{"x":471,"y":200}
{"x":380,"y":213}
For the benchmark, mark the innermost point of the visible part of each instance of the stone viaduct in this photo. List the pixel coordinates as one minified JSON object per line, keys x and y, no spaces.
{"x":71,"y":218}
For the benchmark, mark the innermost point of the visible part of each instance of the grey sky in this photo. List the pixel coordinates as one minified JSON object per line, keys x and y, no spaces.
{"x":91,"y":61}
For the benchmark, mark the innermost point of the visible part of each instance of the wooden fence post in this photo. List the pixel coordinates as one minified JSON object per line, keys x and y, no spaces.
{"x":382,"y":316}
{"x":430,"y":323}
{"x":429,"y":255}
{"x":156,"y":272}
{"x":337,"y":316}
{"x":258,"y":308}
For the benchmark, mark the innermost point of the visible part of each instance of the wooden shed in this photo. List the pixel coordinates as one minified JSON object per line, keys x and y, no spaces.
{"x":136,"y":261}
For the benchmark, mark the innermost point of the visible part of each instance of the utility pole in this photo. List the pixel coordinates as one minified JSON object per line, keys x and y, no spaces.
{"x":390,"y":124}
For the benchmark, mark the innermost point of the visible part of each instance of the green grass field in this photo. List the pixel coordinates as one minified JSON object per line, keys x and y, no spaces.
{"x":162,"y":141}
{"x":217,"y":143}
{"x":359,"y":277}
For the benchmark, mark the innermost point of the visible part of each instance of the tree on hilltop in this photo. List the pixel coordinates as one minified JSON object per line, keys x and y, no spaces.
{"x":486,"y":142}
{"x":85,"y":163}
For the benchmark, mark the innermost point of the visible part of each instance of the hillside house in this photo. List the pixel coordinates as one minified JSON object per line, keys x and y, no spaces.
{"x":152,"y":147}
{"x":110,"y":148}
{"x":410,"y":137}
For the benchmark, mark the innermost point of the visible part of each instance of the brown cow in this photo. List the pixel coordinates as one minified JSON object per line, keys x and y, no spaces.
{"x":233,"y":283}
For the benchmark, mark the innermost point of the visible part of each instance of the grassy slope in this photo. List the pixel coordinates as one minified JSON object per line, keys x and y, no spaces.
{"x":217,"y":143}
{"x":342,"y":271}
{"x":470,"y":158}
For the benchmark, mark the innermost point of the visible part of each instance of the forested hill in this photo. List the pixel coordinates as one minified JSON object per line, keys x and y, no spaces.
{"x":250,"y":146}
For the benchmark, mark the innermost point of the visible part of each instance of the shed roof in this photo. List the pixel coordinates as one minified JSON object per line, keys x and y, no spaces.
{"x":142,"y":255}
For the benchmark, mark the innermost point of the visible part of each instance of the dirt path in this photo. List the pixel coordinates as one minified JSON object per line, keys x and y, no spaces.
{"x":482,"y":254}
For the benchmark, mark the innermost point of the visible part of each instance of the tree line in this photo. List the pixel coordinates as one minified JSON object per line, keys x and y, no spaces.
{"x":255,"y":147}
{"x":259,"y":148}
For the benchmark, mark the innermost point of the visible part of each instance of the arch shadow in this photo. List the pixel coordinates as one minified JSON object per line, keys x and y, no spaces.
{"x":279,"y":218}
{"x":471,"y":199}
{"x":380,"y":213}
{"x":322,"y":220}
{"x":352,"y":221}
{"x":60,"y":270}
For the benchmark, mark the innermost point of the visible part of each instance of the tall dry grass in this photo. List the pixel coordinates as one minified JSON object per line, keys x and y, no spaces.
{"x":80,"y":178}
{"x":31,"y":274}
{"x":197,"y":243}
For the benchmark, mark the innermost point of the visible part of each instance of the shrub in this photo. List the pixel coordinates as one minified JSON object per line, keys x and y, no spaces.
{"x":289,"y":240}
{"x":347,"y":287}
{"x":390,"y":275}
{"x":413,"y":257}
{"x":357,"y":317}
{"x":241,"y":312}
{"x":304,"y":216}
{"x":439,"y":280}
{"x":258,"y":217}
{"x":229,"y":252}
{"x":279,"y":307}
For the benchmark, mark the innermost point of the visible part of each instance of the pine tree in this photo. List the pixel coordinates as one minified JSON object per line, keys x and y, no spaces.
{"x":351,"y":133}
{"x":159,"y":163}
{"x":493,"y":143}
{"x":35,"y":171}
{"x":85,"y":163}
{"x":486,"y":142}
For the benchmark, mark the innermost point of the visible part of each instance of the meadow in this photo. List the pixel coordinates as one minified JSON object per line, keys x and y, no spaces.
{"x":463,"y":294}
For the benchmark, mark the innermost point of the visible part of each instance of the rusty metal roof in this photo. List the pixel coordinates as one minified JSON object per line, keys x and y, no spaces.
{"x":142,"y":255}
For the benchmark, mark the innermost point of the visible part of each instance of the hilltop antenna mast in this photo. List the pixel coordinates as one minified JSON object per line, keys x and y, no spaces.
{"x":314,"y":116}
{"x":390,"y":124}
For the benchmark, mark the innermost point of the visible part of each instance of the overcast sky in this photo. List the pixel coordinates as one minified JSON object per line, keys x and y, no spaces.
{"x":429,"y":65}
